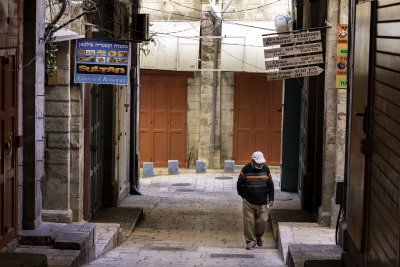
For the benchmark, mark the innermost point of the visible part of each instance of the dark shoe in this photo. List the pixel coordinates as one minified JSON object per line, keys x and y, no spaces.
{"x":259,"y":242}
{"x":250,"y":246}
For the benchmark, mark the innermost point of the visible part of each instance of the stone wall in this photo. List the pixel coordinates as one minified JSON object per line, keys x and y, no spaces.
{"x":58,"y":108}
{"x":76,"y":152}
{"x":227,"y":105}
{"x":193,"y":118}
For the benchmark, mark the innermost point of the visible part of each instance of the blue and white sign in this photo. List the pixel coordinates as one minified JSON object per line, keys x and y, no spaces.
{"x":101,"y":62}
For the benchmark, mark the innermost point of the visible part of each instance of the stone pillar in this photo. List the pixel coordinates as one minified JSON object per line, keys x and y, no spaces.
{"x":56,"y":185}
{"x":334,"y":125}
{"x":208,"y":27}
{"x":76,"y":150}
{"x":193,"y":118}
{"x":33,"y":112}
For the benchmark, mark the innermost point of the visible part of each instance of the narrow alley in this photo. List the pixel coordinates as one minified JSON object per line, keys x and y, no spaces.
{"x":191,"y":220}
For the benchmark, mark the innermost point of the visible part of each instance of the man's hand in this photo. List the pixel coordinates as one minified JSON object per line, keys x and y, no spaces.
{"x":271,"y":203}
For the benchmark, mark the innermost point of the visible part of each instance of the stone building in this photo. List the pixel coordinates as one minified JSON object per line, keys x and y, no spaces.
{"x":57,"y":134}
{"x":217,"y":53}
{"x":322,"y":114}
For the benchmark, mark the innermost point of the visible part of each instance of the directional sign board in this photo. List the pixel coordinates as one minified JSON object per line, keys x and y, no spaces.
{"x":294,"y":73}
{"x":294,"y":61}
{"x":292,"y":38}
{"x":293,"y":50}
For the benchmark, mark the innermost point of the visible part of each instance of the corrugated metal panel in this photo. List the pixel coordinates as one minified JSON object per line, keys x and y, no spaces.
{"x":177,"y":46}
{"x":246,"y":52}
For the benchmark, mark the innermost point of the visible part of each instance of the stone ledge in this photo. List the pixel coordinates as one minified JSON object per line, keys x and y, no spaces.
{"x":108,"y":236}
{"x":300,"y":255}
{"x":282,"y":215}
{"x":58,"y":216}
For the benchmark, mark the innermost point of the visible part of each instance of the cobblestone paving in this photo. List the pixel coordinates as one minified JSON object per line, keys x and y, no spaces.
{"x":190,"y":220}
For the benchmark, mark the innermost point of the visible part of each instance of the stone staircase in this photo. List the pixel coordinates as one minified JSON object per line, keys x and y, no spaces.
{"x":72,"y":245}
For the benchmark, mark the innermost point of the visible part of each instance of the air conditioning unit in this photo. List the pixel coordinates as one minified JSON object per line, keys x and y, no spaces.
{"x":141,"y":28}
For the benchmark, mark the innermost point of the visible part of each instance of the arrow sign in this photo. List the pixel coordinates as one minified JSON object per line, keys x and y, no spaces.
{"x":293,"y":50}
{"x":292,"y":38}
{"x":80,"y":51}
{"x":294,"y":61}
{"x":294,"y":73}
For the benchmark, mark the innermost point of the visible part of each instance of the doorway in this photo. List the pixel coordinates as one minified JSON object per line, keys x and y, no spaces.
{"x":8,"y":128}
{"x":162,"y":121}
{"x":96,"y":150}
{"x":257,"y":118}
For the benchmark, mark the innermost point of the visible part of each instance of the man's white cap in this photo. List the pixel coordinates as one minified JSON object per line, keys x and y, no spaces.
{"x":258,"y":157}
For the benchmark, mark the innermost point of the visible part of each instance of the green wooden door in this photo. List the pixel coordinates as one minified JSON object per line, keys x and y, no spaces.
{"x":290,"y":134}
{"x":96,"y":150}
{"x":303,"y":137}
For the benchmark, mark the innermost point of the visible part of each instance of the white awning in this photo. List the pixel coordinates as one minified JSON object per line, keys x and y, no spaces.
{"x":65,"y":34}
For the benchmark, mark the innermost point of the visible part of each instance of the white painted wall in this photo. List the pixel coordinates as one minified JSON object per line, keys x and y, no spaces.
{"x":177,"y":46}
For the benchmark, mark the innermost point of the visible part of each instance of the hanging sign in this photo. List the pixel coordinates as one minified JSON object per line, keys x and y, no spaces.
{"x":341,"y":58}
{"x":294,"y":73}
{"x":292,"y":38}
{"x":293,"y":50}
{"x":294,"y":61}
{"x":101,"y":62}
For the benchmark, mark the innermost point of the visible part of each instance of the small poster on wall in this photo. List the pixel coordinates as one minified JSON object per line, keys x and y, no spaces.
{"x":341,"y":59}
{"x":101,"y":62}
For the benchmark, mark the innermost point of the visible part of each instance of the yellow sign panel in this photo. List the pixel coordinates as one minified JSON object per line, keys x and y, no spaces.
{"x":341,"y":58}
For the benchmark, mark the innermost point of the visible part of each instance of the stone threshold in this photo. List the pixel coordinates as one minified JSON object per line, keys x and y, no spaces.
{"x":301,"y":241}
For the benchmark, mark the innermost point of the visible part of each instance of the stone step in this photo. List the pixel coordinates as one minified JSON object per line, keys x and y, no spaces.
{"x":108,"y":236}
{"x":126,"y":217}
{"x":55,"y":257}
{"x":317,"y":255}
{"x":11,"y":259}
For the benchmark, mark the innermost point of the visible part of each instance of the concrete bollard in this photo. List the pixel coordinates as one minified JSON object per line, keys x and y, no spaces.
{"x":148,"y":170}
{"x":172,"y":167}
{"x":200,"y":166}
{"x":229,"y":165}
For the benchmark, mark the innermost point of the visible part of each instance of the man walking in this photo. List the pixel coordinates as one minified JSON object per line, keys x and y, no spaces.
{"x":256,"y":187}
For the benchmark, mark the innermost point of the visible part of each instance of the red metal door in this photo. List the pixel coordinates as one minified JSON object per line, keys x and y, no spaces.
{"x":160,"y":125}
{"x":162,"y":122}
{"x":257,"y":118}
{"x":8,"y":126}
{"x":177,"y":119}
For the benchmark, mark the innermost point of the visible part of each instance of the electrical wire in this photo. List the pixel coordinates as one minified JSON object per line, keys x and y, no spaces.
{"x":242,"y":60}
{"x":246,"y":25}
{"x":197,"y":18}
{"x":22,"y":67}
{"x":204,"y":37}
{"x":236,"y":11}
{"x":73,"y":19}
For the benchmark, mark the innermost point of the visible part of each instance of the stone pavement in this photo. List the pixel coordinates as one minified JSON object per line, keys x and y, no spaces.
{"x":193,"y":220}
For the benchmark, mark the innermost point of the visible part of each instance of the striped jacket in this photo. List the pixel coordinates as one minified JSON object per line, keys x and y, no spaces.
{"x":256,"y":185}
